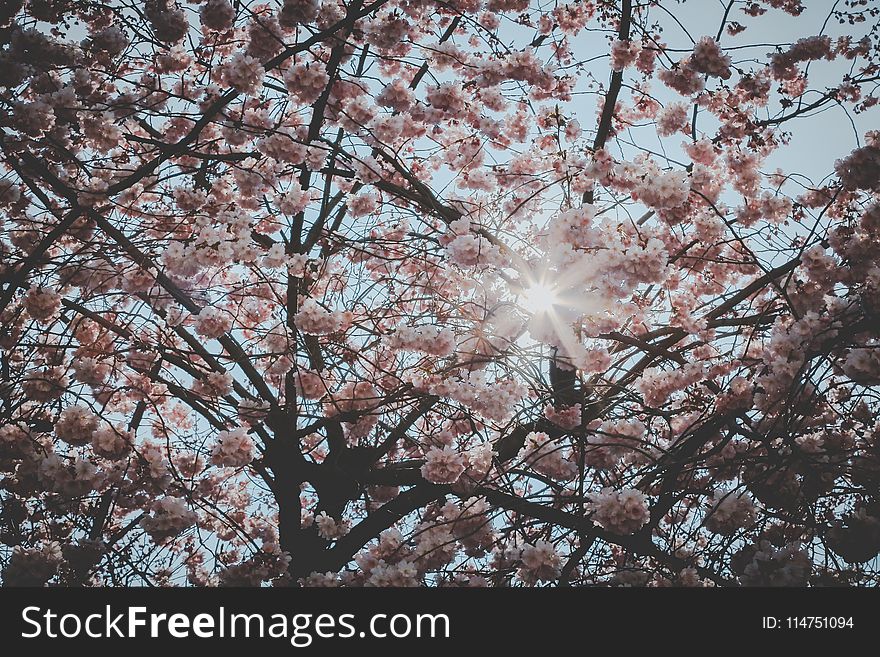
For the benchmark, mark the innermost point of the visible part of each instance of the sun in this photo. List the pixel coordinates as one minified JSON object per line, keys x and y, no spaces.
{"x":538,"y":298}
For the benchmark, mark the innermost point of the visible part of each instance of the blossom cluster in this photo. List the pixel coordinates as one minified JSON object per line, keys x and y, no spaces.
{"x":547,"y":456}
{"x":620,"y":512}
{"x":434,"y":341}
{"x":168,"y":517}
{"x":730,"y":513}
{"x":233,"y":448}
{"x":314,"y":319}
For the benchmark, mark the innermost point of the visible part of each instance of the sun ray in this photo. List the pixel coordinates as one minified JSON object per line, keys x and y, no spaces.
{"x":538,"y":298}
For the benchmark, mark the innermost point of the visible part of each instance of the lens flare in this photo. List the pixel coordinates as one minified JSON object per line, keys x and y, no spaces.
{"x":538,"y":298}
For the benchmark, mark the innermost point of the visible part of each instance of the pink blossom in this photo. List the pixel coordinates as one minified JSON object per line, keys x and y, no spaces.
{"x":212,"y":322}
{"x":243,"y":73}
{"x":330,"y":528}
{"x":442,"y":466}
{"x":112,"y":442}
{"x":42,"y":304}
{"x":313,"y":319}
{"x":76,"y":425}
{"x":233,"y":449}
{"x":623,"y":512}
{"x":540,"y":562}
{"x":168,"y":517}
{"x":547,"y":457}
{"x":623,"y":54}
{"x":430,"y":340}
{"x":707,"y":58}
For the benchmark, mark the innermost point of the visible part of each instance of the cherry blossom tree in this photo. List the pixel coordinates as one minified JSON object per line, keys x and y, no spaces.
{"x":439,"y":292}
